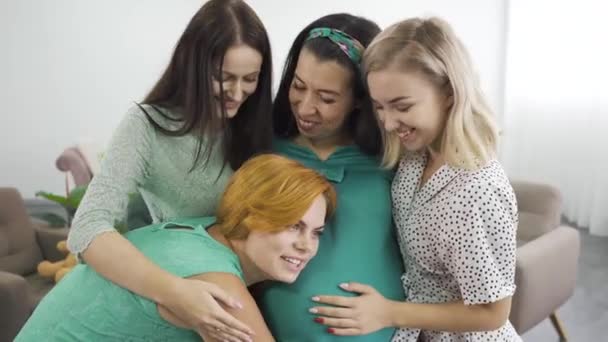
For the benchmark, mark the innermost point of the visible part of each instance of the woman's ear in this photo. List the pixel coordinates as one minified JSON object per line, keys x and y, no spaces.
{"x":448,"y":93}
{"x":448,"y":102}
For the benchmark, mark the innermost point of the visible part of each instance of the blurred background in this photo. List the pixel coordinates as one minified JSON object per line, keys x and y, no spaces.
{"x":69,"y":70}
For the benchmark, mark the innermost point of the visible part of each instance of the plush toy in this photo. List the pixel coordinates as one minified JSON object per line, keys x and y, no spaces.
{"x":56,"y":270}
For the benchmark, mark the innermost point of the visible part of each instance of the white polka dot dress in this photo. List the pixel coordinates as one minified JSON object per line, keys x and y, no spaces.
{"x":457,"y":239}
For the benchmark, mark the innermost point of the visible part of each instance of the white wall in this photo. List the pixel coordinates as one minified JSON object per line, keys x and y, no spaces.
{"x":69,"y":69}
{"x":556,"y":104}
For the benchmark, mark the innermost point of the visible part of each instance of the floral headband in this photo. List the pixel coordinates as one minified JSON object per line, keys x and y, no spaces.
{"x":351,"y":47}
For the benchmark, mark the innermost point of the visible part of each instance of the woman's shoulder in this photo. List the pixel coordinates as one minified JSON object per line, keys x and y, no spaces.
{"x":477,"y":196}
{"x":188,"y":236}
{"x":150,"y":116}
{"x":175,"y":227}
{"x":484,"y":186}
{"x":491,"y":175}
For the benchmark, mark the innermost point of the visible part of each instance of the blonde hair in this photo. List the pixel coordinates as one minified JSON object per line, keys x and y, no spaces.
{"x":270,"y":193}
{"x":429,"y":46}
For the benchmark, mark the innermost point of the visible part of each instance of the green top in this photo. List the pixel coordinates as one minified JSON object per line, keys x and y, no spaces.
{"x":142,"y":163}
{"x":359,"y":245}
{"x":84,"y":306}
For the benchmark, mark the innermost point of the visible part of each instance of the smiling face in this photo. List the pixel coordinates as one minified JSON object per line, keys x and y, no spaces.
{"x":409,"y":105}
{"x":282,"y":255}
{"x":239,"y":78}
{"x":321,"y":96}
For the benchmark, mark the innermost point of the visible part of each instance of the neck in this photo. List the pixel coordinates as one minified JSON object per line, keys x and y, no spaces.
{"x":251,"y":273}
{"x":433,"y":163}
{"x":435,"y":157}
{"x":324,"y":146}
{"x":435,"y":160}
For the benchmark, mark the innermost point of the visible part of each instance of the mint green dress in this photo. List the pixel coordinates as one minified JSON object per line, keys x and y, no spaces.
{"x":359,"y":244}
{"x":86,"y":307}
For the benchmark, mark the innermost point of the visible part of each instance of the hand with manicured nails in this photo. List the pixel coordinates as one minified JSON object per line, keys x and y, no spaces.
{"x":364,"y":314}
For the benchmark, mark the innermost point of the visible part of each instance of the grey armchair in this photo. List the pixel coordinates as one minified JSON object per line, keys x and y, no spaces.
{"x":547,"y":258}
{"x":23,"y":245}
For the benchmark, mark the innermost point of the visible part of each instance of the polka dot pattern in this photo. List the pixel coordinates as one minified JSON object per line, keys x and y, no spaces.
{"x":457,"y":238}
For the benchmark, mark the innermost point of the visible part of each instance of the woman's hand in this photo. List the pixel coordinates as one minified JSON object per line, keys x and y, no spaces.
{"x":359,"y":315}
{"x":197,"y":304}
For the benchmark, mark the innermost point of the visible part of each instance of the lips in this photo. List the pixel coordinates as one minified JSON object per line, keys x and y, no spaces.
{"x":295,"y":264}
{"x":231,"y":104}
{"x":406,"y":133}
{"x":306,"y":125}
{"x":228,"y":102}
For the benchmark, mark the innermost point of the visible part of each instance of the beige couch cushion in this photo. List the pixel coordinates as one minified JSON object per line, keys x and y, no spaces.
{"x":532,"y":225}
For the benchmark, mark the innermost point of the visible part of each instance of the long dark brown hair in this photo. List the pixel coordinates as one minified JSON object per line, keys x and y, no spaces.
{"x":186,"y":86}
{"x":361,"y":123}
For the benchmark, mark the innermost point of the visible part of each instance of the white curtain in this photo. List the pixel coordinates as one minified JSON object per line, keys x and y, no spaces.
{"x":555,"y":127}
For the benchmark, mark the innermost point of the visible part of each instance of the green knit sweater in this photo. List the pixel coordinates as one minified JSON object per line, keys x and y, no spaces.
{"x":156,"y":168}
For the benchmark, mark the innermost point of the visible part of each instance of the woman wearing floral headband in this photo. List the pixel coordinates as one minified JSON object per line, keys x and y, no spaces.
{"x":323,"y":118}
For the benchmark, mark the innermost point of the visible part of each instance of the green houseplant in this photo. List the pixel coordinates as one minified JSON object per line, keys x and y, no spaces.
{"x":138,"y":217}
{"x":70,"y":203}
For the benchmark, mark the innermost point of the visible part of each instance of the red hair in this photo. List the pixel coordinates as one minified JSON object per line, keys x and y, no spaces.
{"x":270,"y":193}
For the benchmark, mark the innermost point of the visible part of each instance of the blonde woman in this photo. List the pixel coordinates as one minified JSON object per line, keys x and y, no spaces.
{"x":453,"y":206}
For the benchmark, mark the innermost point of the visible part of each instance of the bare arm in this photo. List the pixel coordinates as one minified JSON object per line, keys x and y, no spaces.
{"x":370,"y":311}
{"x":93,"y":236}
{"x":116,"y":259}
{"x":249,"y":314}
{"x":452,"y":316}
{"x":193,"y":303}
{"x":168,"y":316}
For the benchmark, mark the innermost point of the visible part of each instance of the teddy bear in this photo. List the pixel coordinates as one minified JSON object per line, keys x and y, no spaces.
{"x":56,"y":270}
